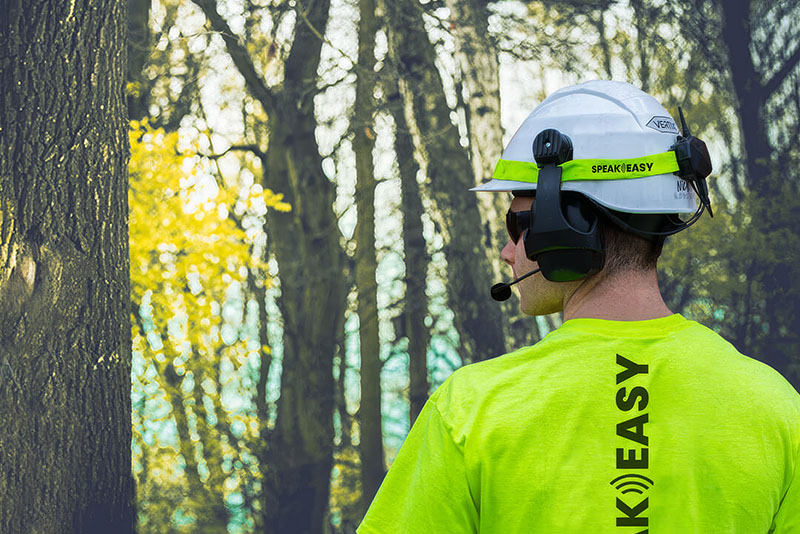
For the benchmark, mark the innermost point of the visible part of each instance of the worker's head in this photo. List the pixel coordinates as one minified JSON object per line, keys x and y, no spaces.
{"x":599,"y":174}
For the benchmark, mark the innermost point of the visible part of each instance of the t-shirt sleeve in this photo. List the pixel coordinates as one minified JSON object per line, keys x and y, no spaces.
{"x":787,"y":520}
{"x":426,"y":489}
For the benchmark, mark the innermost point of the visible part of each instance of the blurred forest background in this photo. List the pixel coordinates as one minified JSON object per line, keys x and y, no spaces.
{"x":307,"y":264}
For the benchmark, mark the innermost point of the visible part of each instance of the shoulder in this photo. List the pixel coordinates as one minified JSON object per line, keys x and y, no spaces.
{"x":467,"y":393}
{"x":725,"y":368}
{"x":723,"y":353}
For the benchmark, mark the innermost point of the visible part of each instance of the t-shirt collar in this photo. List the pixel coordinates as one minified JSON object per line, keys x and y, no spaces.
{"x":647,"y":328}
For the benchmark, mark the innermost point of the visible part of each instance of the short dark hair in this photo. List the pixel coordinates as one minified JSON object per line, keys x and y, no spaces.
{"x":626,"y":250}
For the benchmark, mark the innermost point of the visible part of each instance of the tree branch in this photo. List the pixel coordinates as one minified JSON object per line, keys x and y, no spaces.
{"x":240,"y":56}
{"x":242,"y":148}
{"x":303,"y":12}
{"x":773,"y":83}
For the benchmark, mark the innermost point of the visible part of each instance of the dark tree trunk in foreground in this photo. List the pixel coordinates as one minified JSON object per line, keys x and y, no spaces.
{"x":65,"y":360}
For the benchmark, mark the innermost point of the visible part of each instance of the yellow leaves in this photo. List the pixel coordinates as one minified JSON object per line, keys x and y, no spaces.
{"x":259,"y":200}
{"x":275,"y":201}
{"x":185,"y":245}
{"x":134,"y":89}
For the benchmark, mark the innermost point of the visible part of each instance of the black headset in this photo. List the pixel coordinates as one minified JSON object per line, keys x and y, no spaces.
{"x":564,"y":234}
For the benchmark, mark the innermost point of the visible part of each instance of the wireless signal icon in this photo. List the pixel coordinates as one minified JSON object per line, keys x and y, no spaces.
{"x":632,"y":485}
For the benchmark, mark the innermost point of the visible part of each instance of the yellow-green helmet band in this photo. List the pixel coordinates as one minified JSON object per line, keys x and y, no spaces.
{"x":591,"y":169}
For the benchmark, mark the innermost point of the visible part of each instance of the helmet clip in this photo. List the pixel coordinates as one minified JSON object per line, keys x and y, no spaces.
{"x":551,"y":146}
{"x":694,"y":162}
{"x":563,"y":234}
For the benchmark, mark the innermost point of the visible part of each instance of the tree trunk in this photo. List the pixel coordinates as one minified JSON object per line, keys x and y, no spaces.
{"x":311,"y":262}
{"x":768,"y":183}
{"x":449,"y":177}
{"x":139,"y":48}
{"x":477,"y":61}
{"x":416,"y":257}
{"x":369,"y":412}
{"x":750,"y":95}
{"x":642,"y":22}
{"x":65,"y":346}
{"x":600,"y":24}
{"x":299,"y":457}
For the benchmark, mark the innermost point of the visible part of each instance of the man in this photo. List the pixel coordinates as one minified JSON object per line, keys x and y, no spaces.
{"x":628,"y":418}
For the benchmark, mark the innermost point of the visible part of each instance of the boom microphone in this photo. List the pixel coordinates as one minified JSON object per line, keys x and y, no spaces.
{"x":502,"y":291}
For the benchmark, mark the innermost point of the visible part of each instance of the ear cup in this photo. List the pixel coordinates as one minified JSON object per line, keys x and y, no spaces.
{"x":577,"y":250}
{"x":563,"y":234}
{"x":578,"y":212}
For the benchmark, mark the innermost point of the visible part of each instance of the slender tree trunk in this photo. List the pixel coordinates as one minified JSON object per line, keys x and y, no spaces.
{"x":341,"y":404}
{"x":449,"y":177}
{"x":641,"y":21}
{"x":416,"y":257}
{"x":65,"y":347}
{"x":600,"y":24}
{"x":371,"y":442}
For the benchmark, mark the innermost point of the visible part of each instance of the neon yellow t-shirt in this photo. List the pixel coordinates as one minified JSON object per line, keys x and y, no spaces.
{"x":657,"y":427}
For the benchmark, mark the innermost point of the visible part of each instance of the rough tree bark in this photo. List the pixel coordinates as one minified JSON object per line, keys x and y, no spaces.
{"x":477,"y":61}
{"x":298,"y":460}
{"x":369,"y":412}
{"x":449,"y":177}
{"x":65,"y":347}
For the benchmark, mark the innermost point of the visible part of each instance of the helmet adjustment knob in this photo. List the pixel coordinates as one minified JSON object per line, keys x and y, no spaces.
{"x":551,"y":146}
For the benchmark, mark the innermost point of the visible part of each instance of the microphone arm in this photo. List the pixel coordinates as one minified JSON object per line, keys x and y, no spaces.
{"x":502,"y":291}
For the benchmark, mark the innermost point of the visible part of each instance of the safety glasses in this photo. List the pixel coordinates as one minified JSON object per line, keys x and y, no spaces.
{"x":516,"y":223}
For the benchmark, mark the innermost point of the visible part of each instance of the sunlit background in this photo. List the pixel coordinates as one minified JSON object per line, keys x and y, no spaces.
{"x":207,"y":312}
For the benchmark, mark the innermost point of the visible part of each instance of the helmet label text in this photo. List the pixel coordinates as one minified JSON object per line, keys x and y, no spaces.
{"x":663,"y":124}
{"x":622,"y":168}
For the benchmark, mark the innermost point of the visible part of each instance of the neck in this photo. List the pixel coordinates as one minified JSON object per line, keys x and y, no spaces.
{"x":625,"y":296}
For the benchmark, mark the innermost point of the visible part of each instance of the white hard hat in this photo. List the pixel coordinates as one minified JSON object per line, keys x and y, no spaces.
{"x":621,"y":139}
